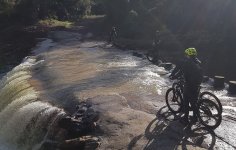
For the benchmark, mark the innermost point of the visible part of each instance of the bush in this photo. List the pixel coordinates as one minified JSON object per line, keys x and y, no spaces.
{"x":32,"y":10}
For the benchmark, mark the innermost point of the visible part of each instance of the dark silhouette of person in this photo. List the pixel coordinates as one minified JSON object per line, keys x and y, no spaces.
{"x":190,"y":68}
{"x":155,"y":48}
{"x":113,"y":35}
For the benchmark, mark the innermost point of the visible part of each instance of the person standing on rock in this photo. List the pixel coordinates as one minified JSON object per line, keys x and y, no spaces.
{"x":156,"y":43}
{"x":113,"y":35}
{"x":190,"y":68}
{"x":153,"y":55}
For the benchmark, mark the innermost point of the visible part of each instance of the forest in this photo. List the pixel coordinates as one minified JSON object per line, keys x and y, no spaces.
{"x":209,"y":26}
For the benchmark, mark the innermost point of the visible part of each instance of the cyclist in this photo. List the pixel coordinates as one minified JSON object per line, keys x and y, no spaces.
{"x":113,"y":35}
{"x":190,"y":69}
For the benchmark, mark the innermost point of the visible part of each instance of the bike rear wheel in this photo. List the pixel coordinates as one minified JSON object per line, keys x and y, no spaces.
{"x":173,"y":100}
{"x":212,"y":97}
{"x":209,"y":114}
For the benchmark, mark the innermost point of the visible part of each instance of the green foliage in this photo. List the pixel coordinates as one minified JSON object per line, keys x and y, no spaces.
{"x":58,"y":9}
{"x":192,"y":23}
{"x":55,"y":23}
{"x":32,"y":10}
{"x":6,"y":6}
{"x":207,"y":25}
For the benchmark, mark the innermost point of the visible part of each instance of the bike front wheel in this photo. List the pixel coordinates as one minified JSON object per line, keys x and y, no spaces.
{"x":209,"y":113}
{"x":173,"y":100}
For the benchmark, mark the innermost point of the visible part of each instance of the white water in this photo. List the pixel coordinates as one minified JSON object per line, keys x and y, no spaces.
{"x":24,"y":118}
{"x":26,"y":121}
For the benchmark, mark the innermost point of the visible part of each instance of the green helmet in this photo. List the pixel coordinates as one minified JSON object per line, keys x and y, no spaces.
{"x":191,"y":52}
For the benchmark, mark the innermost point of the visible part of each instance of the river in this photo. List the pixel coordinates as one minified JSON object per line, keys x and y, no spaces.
{"x":126,"y":90}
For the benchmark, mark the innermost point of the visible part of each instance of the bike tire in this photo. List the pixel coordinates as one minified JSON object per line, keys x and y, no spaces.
{"x":205,"y":105}
{"x":171,"y":95}
{"x":214,"y":97}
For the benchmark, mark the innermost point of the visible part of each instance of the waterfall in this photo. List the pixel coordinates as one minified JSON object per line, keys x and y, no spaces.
{"x":25,"y":120}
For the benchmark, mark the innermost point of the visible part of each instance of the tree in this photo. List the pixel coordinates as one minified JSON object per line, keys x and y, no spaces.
{"x":32,"y":10}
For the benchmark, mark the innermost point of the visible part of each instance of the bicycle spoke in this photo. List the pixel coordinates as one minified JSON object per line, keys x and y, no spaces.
{"x":173,"y":100}
{"x":213,"y":98}
{"x":209,"y":114}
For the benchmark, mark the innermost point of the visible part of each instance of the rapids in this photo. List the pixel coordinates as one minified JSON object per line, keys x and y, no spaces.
{"x":24,"y":118}
{"x":121,"y":86}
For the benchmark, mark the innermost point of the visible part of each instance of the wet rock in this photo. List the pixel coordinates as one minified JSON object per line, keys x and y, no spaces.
{"x":168,"y":66}
{"x":219,"y":82}
{"x":78,"y":125}
{"x":81,"y":109}
{"x":85,"y":142}
{"x":65,"y":122}
{"x":205,"y":79}
{"x":138,"y":55}
{"x":81,"y":122}
{"x":232,"y":87}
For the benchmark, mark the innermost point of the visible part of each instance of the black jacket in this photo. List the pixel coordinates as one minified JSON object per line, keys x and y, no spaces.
{"x":190,"y":69}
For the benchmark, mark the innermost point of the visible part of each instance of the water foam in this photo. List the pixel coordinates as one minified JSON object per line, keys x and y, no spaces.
{"x":24,"y":119}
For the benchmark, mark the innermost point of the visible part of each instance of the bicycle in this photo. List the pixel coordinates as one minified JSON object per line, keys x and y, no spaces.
{"x":179,"y":86}
{"x":208,"y":105}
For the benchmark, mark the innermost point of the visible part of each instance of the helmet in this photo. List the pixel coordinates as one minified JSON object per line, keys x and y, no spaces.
{"x":191,"y":52}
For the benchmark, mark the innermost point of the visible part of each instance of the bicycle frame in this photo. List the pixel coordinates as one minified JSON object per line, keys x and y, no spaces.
{"x":202,"y":103}
{"x":179,"y":86}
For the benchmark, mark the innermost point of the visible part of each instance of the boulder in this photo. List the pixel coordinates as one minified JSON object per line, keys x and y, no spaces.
{"x":205,"y":79}
{"x":232,"y":87}
{"x":219,"y":82}
{"x":85,"y":142}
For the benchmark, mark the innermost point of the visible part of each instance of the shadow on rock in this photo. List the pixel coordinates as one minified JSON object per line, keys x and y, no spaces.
{"x":165,"y":115}
{"x":199,"y":137}
{"x":166,"y":132}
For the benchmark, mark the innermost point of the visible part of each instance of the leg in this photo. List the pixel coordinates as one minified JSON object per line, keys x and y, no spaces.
{"x":193,"y":100}
{"x":186,"y":102}
{"x":185,"y":120}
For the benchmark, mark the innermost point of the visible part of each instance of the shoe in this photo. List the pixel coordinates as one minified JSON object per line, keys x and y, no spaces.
{"x":184,"y":121}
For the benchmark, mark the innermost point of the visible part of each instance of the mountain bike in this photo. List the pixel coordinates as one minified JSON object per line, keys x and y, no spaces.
{"x":178,"y":87}
{"x":208,"y":105}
